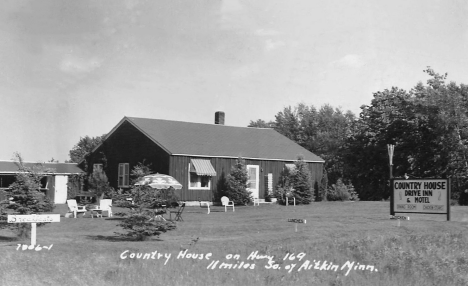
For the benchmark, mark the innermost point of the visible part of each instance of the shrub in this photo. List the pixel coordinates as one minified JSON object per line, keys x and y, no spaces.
{"x":353,"y":195}
{"x":74,"y":185}
{"x":237,"y":184}
{"x":462,"y":198}
{"x":141,"y":226}
{"x":323,"y":188}
{"x":337,"y":194}
{"x":281,"y":192}
{"x":341,"y":192}
{"x":295,"y":183}
{"x":318,"y":195}
{"x":284,"y":186}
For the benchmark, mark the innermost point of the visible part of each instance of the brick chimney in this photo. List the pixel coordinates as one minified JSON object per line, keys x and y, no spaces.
{"x":219,"y":117}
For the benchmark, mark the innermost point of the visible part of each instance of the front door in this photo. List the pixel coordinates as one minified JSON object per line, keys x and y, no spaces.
{"x":253,"y":181}
{"x":61,"y":187}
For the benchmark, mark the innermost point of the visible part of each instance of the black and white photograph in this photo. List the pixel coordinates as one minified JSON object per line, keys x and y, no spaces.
{"x":233,"y":142}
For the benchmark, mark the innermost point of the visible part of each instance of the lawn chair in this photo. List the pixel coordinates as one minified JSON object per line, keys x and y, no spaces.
{"x":227,"y":203}
{"x":106,"y":205}
{"x":74,"y":208}
{"x":178,"y":213}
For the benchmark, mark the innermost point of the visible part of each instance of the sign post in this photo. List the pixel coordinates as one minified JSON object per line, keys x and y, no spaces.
{"x":33,"y":219}
{"x":296,"y":221}
{"x":399,"y":218}
{"x":425,"y":196}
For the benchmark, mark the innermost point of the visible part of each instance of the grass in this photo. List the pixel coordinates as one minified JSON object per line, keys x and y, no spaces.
{"x":427,"y":250}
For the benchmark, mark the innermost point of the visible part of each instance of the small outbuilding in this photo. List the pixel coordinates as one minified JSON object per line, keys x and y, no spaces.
{"x":198,"y":155}
{"x":58,"y":178}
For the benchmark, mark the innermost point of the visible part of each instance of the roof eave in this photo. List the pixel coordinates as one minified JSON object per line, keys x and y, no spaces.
{"x":126,"y":119}
{"x":44,"y":173}
{"x":250,"y":158}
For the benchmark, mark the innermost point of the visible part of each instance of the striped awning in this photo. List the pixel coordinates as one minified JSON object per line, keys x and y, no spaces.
{"x":202,"y":167}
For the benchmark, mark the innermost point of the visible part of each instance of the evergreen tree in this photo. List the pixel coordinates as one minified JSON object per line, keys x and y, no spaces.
{"x":99,"y":184}
{"x":25,"y":196}
{"x":295,"y":183}
{"x":301,"y":182}
{"x":142,"y":200}
{"x":237,"y":183}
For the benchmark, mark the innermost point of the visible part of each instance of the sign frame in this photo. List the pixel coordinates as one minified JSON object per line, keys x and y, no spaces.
{"x":392,"y":197}
{"x":33,"y":219}
{"x":401,"y":217}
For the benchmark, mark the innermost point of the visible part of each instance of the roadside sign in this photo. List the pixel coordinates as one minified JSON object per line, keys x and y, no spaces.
{"x":400,"y":217}
{"x":296,"y":221}
{"x":425,"y":196}
{"x":33,"y":219}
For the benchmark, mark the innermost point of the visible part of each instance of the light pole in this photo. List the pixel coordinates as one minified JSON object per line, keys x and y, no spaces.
{"x":391,"y":148}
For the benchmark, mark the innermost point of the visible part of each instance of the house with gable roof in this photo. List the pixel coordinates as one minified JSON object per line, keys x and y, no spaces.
{"x":198,"y":155}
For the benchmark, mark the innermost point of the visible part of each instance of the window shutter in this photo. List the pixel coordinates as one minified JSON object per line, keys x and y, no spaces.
{"x":120,"y":171}
{"x":126,"y":175}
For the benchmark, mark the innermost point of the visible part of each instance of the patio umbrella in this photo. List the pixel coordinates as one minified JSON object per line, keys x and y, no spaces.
{"x":159,"y":181}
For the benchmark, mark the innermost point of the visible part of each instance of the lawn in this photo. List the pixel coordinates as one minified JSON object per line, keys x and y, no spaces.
{"x":351,"y":243}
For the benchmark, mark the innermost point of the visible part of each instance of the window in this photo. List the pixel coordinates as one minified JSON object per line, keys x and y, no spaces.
{"x":200,"y":173}
{"x":45,"y":182}
{"x":97,"y":167}
{"x":123,"y":174}
{"x":199,"y":182}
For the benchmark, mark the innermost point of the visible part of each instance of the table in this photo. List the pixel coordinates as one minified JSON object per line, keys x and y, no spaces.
{"x":97,"y":212}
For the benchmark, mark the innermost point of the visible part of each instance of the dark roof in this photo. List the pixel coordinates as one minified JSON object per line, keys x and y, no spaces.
{"x":214,"y":140}
{"x":11,"y":167}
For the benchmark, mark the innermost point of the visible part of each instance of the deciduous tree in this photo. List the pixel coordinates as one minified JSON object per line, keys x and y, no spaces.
{"x":261,"y":124}
{"x":84,"y":146}
{"x":427,"y":125}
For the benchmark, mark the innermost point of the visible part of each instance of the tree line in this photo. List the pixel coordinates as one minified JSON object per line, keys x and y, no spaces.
{"x":427,"y":125}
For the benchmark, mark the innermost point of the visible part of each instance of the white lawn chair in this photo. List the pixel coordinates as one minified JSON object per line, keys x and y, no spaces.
{"x":106,"y":205}
{"x":74,"y":208}
{"x":227,"y":203}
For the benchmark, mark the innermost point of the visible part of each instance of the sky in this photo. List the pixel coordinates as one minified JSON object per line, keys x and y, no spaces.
{"x":70,"y":69}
